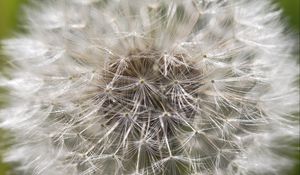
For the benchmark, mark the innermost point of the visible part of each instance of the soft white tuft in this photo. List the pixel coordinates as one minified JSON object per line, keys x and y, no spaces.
{"x":151,"y":87}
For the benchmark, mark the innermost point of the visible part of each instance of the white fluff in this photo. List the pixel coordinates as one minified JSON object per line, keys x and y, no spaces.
{"x":151,"y":87}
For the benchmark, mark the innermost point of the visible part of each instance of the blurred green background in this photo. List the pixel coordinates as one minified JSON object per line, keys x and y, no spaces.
{"x":9,"y":20}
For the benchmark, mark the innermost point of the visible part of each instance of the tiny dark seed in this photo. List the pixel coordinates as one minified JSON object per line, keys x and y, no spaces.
{"x":142,"y":81}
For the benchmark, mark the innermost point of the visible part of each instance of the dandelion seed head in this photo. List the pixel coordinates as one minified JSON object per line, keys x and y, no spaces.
{"x":151,"y":87}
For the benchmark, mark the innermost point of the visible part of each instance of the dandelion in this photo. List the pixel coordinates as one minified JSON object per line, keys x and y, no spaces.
{"x":165,"y":87}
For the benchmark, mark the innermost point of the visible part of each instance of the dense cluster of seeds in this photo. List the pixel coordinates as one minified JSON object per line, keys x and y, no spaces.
{"x":192,"y":87}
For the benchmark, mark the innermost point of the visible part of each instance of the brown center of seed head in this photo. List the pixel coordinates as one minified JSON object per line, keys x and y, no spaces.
{"x":149,"y":83}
